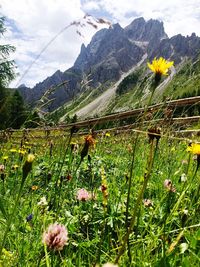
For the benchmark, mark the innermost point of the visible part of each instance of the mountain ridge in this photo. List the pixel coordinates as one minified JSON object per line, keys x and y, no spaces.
{"x":111,"y":53}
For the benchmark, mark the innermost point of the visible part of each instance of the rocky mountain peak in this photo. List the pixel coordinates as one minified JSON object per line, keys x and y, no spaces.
{"x":111,"y":53}
{"x":140,"y":30}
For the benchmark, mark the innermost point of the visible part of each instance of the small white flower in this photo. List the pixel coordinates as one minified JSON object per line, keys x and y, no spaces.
{"x":43,"y":202}
{"x":183,"y":177}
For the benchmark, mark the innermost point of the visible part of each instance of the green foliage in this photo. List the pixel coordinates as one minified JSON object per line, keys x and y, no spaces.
{"x":12,"y":109}
{"x":13,"y":112}
{"x":127,"y":83}
{"x":6,"y":66}
{"x":96,"y":227}
{"x":32,"y":120}
{"x":186,"y":82}
{"x":18,"y":111}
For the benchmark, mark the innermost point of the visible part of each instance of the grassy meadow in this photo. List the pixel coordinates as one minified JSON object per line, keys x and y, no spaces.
{"x":124,"y":198}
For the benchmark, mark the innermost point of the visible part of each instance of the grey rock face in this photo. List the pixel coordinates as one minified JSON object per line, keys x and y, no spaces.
{"x":139,"y":30}
{"x":175,"y":48}
{"x":110,"y":53}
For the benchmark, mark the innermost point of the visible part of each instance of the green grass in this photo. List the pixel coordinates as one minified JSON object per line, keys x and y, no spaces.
{"x":164,"y":234}
{"x":134,"y":91}
{"x":185,"y":82}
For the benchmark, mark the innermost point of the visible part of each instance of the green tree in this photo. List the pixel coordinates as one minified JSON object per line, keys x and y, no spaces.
{"x":6,"y":75}
{"x":17,"y":114}
{"x":7,"y":66}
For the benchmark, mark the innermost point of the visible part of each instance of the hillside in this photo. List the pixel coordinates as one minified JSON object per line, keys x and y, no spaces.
{"x":100,"y":68}
{"x":132,"y":91}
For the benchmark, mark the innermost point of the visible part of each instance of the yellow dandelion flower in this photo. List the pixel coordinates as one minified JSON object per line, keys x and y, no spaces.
{"x":15,"y":167}
{"x":21,"y":151}
{"x":27,"y":147}
{"x":160,"y":67}
{"x":194,"y":149}
{"x":107,"y":134}
{"x":30,"y":158}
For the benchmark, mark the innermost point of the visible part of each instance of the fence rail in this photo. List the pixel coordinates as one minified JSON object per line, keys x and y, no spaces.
{"x":127,"y":114}
{"x":136,"y":112}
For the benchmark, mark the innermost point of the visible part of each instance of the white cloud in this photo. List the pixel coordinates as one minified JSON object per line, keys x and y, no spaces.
{"x":33,"y":23}
{"x":179,"y":16}
{"x":36,"y":22}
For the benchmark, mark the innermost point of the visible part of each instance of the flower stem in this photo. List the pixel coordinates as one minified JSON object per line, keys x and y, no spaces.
{"x":138,"y":201}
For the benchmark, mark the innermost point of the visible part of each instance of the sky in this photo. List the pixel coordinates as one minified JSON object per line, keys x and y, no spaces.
{"x":45,"y":40}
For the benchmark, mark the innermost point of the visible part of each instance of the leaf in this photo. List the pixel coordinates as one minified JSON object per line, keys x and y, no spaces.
{"x":2,"y":208}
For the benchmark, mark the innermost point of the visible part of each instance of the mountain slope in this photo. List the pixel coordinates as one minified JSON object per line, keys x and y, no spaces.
{"x":99,"y":105}
{"x":110,"y":53}
{"x":100,"y":66}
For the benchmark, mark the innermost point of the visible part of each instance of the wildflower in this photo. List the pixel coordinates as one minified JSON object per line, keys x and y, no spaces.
{"x":83,"y":195}
{"x":195,"y":149}
{"x":15,"y":167}
{"x":55,"y":237}
{"x":2,"y":168}
{"x":107,"y":134}
{"x":28,"y":165}
{"x":21,"y":151}
{"x":183,"y":247}
{"x":160,"y":67}
{"x":168,"y":185}
{"x":104,"y":188}
{"x":89,"y":141}
{"x":147,"y":203}
{"x":68,"y":177}
{"x":29,"y":217}
{"x":30,"y":158}
{"x":42,"y":202}
{"x":34,"y":187}
{"x":5,"y":158}
{"x":183,"y":177}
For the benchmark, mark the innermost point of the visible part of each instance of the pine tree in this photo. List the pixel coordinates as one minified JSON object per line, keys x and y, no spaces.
{"x":17,"y":111}
{"x":6,"y":75}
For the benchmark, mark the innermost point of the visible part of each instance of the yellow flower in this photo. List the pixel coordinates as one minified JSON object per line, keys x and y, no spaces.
{"x":194,"y":149}
{"x":5,"y":157}
{"x":21,"y":151}
{"x":160,"y":67}
{"x":107,"y":134}
{"x":15,"y":167}
{"x":30,"y":158}
{"x":34,"y":187}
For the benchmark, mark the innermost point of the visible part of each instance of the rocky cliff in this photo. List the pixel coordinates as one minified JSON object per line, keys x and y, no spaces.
{"x":110,"y":53}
